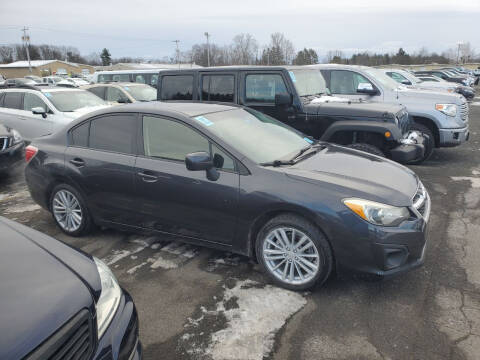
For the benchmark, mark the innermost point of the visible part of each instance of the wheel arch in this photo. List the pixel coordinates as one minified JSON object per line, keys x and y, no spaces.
{"x":429,"y":123}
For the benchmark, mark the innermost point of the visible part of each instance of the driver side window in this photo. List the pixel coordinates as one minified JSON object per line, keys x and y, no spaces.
{"x":31,"y":101}
{"x":113,"y":94}
{"x":346,"y":82}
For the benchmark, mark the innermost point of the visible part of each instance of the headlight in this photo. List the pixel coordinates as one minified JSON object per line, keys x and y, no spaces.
{"x":17,"y":138}
{"x":377,"y":213}
{"x":109,"y":299}
{"x":447,"y":109}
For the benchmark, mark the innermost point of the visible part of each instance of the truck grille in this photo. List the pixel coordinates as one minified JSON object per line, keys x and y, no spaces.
{"x":403,"y":121}
{"x":74,"y":340}
{"x":420,"y":200}
{"x":464,"y":111}
{"x":4,"y":143}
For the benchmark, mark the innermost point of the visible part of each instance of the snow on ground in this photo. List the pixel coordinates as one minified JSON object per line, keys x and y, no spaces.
{"x":475,"y":103}
{"x":254,"y":314}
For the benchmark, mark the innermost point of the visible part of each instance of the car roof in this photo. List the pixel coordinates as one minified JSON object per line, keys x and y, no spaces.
{"x":126,"y":83}
{"x":240,"y":67}
{"x":41,"y":88}
{"x":185,"y":108}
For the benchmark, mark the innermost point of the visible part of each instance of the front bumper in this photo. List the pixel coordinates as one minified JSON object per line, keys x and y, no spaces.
{"x":410,"y":149}
{"x":453,"y":137}
{"x":11,"y":157}
{"x":384,"y":252}
{"x":120,"y":341}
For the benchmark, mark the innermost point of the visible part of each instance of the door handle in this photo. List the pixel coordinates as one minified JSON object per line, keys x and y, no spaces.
{"x":77,"y":162}
{"x":147,"y":177}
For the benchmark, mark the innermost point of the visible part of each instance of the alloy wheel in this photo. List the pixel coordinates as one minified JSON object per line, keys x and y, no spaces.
{"x":67,"y":210}
{"x":291,"y":256}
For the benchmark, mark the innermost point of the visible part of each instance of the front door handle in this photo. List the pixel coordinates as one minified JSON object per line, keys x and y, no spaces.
{"x":77,"y":162}
{"x":147,"y":177}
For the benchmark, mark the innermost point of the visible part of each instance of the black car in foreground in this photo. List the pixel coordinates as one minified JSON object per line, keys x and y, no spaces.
{"x":12,"y":149}
{"x":59,"y":303}
{"x":235,"y":179}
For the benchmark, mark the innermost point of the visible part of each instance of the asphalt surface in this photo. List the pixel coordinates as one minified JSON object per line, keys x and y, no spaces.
{"x":196,"y":303}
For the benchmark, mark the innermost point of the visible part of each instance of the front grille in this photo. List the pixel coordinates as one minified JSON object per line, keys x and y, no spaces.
{"x":464,"y":111}
{"x":420,"y":199}
{"x":4,"y":141}
{"x":404,"y":121}
{"x":74,"y":340}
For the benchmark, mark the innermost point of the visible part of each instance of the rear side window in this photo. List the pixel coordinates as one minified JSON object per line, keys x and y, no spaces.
{"x":177,"y":87}
{"x":99,"y":91}
{"x":121,"y":78}
{"x":113,"y":133}
{"x":263,"y":87}
{"x":218,"y":88}
{"x":13,"y":100}
{"x":114,"y":94}
{"x":79,"y":135}
{"x":140,"y":78}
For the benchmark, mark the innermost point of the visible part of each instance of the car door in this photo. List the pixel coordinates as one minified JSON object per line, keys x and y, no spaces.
{"x":345,"y":83}
{"x":259,"y":90}
{"x":174,"y":200}
{"x":100,"y":159}
{"x":37,"y":124}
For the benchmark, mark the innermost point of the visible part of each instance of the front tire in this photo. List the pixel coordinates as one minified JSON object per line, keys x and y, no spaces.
{"x":69,"y":210}
{"x":293,"y":252}
{"x":429,"y":142}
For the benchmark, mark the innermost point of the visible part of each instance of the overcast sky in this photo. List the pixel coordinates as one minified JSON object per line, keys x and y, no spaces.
{"x":141,"y":28}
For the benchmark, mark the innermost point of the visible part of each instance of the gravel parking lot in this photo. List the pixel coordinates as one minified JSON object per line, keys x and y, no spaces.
{"x":197,"y":303}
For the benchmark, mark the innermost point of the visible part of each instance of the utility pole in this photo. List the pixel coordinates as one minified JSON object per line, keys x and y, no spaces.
{"x":458,"y":52}
{"x":177,"y":52}
{"x":208,"y":48}
{"x":26,"y":41}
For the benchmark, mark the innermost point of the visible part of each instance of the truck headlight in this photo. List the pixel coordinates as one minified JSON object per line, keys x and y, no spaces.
{"x":447,"y":109}
{"x":109,"y":299}
{"x":17,"y":138}
{"x":377,"y":213}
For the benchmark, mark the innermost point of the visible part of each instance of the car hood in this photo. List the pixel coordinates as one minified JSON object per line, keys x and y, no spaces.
{"x":38,"y":292}
{"x":358,"y":174}
{"x":430,"y":96}
{"x":82,"y":111}
{"x":354,"y":108}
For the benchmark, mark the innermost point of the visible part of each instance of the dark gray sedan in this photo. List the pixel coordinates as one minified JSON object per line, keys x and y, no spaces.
{"x":234,"y":179}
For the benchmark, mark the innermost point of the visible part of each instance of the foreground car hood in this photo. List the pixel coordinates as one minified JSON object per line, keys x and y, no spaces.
{"x":38,"y":293}
{"x":359,"y":175}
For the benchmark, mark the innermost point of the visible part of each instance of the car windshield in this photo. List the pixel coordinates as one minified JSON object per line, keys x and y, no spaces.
{"x":67,"y":101}
{"x":142,"y":92}
{"x":382,"y":78}
{"x":258,"y":136}
{"x":308,"y":82}
{"x":411,"y":77}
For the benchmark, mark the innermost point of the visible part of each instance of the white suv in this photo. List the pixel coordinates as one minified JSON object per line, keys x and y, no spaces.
{"x":35,"y":112}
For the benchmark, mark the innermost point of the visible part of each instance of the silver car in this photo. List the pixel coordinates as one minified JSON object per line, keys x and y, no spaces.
{"x":36,"y":111}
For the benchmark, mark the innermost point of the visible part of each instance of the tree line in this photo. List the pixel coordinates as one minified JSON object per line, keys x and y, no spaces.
{"x":244,"y":49}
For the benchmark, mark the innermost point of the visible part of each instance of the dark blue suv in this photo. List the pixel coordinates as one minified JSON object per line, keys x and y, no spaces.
{"x":59,"y":303}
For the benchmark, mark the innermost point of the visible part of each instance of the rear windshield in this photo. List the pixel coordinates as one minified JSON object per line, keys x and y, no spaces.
{"x":67,"y":101}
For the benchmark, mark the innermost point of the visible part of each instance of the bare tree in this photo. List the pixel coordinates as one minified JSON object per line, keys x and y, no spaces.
{"x":243,"y":50}
{"x":334,"y":56}
{"x":7,"y":54}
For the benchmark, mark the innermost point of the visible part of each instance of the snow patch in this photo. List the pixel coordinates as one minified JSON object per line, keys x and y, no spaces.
{"x":160,"y":262}
{"x":135,"y":268}
{"x":475,"y":103}
{"x":474,"y":181}
{"x":327,"y":99}
{"x":254,"y":315}
{"x":21,"y":208}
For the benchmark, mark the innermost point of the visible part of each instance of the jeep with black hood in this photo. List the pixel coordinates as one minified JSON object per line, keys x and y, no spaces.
{"x":298,"y":97}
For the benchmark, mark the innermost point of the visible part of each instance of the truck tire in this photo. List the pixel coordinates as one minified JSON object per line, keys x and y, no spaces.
{"x":429,"y":143}
{"x":367,"y":148}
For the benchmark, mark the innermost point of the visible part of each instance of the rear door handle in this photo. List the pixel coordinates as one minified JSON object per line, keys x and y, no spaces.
{"x":147,"y":177}
{"x":77,"y":162}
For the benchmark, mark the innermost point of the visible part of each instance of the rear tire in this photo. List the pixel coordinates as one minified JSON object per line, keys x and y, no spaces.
{"x":367,"y":148}
{"x":429,"y":142}
{"x":293,"y":252}
{"x":70,"y":211}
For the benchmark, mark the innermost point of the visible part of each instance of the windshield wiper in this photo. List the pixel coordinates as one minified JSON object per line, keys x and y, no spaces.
{"x":277,"y":163}
{"x":316,"y":147}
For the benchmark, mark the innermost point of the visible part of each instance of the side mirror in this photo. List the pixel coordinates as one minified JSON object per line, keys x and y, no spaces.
{"x":123,"y":100}
{"x":283,"y":99}
{"x":366,"y":88}
{"x":201,"y":161}
{"x":406,"y":82}
{"x":39,"y":111}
